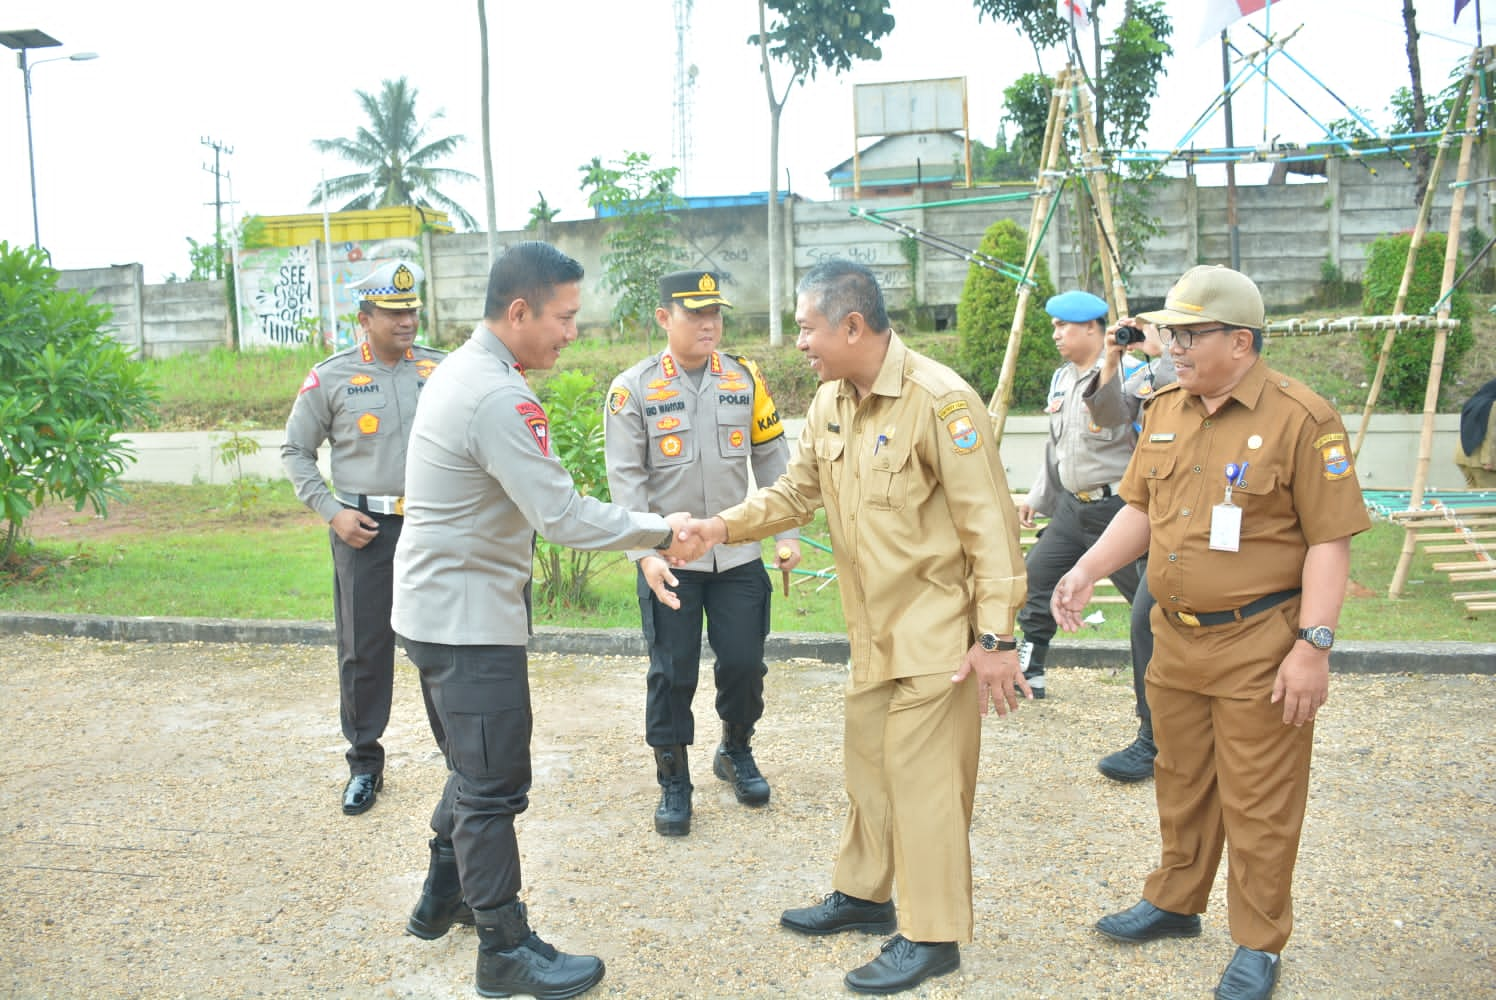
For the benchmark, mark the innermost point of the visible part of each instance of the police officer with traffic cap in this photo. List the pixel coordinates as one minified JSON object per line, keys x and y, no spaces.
{"x":361,"y":402}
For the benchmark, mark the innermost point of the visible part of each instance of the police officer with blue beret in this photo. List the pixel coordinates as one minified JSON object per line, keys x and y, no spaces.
{"x":1084,"y":459}
{"x":361,"y":401}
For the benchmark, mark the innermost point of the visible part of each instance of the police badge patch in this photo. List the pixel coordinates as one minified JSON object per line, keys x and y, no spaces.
{"x":617,"y":400}
{"x":535,"y":419}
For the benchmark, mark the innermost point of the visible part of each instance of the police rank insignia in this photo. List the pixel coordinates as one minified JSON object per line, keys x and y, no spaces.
{"x":535,"y":419}
{"x":617,"y":400}
{"x":964,"y":435}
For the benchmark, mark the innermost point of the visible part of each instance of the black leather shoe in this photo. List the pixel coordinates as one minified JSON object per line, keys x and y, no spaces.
{"x":903,"y":965}
{"x":1133,"y":762}
{"x":839,"y":912}
{"x":1146,"y":922}
{"x":1250,"y":975}
{"x":360,"y":792}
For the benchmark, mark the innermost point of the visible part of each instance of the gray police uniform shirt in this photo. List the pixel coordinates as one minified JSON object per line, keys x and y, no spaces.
{"x":1083,"y":453}
{"x":364,"y":409}
{"x":1122,"y":399}
{"x":683,"y":441}
{"x":479,"y":483}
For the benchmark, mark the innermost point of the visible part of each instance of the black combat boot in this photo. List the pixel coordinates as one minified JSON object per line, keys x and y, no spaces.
{"x":440,"y":905}
{"x":512,"y":959}
{"x":1133,"y":762}
{"x":734,"y":763}
{"x":673,"y":816}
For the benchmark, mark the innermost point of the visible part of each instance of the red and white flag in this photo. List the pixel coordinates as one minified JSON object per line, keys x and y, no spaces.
{"x":1217,"y":15}
{"x":1076,"y":11}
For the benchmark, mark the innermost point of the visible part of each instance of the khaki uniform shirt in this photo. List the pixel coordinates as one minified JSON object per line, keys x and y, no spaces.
{"x":679,"y":441}
{"x":364,"y":408}
{"x":922,"y":524}
{"x":1299,"y":489}
{"x":481,"y":482}
{"x":1083,"y":452}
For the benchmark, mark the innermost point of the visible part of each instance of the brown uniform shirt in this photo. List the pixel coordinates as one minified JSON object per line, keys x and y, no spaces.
{"x":1299,"y":489}
{"x":922,"y":525}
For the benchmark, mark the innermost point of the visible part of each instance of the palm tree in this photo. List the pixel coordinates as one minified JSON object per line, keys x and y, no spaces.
{"x":399,"y":160}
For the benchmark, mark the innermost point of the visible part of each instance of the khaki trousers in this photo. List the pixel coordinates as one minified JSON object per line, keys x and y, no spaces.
{"x":911,"y":748}
{"x":1228,"y":771}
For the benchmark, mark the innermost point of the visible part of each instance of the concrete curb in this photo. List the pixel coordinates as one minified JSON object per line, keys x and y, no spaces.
{"x":1349,"y":657}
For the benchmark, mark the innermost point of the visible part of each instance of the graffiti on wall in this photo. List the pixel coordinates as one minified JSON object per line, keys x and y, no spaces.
{"x":285,"y":289}
{"x":278,"y":299}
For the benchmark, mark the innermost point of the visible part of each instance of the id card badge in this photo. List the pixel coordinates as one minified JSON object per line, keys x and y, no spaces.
{"x":1225,"y":527}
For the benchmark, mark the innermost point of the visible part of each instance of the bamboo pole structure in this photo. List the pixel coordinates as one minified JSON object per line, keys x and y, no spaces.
{"x":1101,"y":199}
{"x":1441,"y":333}
{"x":1420,"y":230}
{"x":1046,"y":181}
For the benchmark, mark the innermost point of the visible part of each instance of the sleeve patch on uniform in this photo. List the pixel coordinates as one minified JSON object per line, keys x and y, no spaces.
{"x":534,"y":418}
{"x":368,"y":423}
{"x":964,"y":435}
{"x":617,"y":400}
{"x":310,"y":382}
{"x":1337,"y":462}
{"x":950,"y":408}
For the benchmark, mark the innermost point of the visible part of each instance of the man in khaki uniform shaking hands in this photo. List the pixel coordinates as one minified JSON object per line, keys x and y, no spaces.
{"x":900,"y":453}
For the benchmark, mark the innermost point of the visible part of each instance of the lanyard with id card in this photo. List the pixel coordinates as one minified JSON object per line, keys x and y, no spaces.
{"x":1225,"y":517}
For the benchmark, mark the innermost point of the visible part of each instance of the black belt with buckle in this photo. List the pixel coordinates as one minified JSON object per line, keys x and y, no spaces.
{"x":1091,"y":496}
{"x":1245,"y":611}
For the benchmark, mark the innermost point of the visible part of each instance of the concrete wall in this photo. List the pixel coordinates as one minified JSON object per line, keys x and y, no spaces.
{"x":1287,"y":232}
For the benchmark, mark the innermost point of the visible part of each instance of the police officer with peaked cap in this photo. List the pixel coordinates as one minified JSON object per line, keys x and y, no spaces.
{"x":361,"y":401}
{"x":683,"y":428}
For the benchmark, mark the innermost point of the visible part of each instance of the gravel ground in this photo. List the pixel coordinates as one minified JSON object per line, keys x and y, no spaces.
{"x":170,"y":828}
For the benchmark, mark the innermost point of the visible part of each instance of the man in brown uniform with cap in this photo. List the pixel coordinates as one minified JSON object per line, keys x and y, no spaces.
{"x":1243,"y":495}
{"x":900,"y":453}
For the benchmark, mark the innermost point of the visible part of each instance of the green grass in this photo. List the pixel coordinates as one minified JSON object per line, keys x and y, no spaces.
{"x":189,"y":551}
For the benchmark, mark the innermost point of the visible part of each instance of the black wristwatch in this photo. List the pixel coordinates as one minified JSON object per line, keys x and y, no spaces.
{"x":990,"y":642}
{"x":1318,"y":636}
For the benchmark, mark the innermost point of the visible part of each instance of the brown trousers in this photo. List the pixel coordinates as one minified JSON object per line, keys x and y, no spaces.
{"x":1228,"y":771}
{"x":911,"y":748}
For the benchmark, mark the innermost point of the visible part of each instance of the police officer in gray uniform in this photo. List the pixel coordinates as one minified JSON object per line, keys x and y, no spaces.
{"x":1114,"y":396}
{"x":362,"y":401}
{"x":683,"y":426}
{"x":481,"y":482}
{"x":1077,"y":485}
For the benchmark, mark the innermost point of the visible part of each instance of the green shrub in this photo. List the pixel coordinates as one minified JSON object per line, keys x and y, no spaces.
{"x":1408,"y":366}
{"x":69,"y":387}
{"x":985,"y":317}
{"x":574,"y":405}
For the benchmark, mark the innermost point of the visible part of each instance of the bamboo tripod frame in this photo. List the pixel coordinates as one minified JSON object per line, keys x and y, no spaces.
{"x":1069,"y":103}
{"x":1469,"y":97}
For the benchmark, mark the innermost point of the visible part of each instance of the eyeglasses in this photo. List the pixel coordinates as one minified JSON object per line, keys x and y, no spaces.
{"x":1186,"y":337}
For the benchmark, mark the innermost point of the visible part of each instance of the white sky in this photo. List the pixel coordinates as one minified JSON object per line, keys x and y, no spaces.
{"x":120,"y":164}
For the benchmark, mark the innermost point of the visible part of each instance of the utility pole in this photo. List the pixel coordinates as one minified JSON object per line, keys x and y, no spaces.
{"x":219,"y":149}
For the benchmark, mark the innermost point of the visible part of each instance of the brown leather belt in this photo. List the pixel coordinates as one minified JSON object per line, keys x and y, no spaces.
{"x":1196,"y":620}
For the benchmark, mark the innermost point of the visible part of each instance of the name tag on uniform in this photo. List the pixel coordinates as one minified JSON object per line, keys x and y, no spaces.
{"x":1225,"y":527}
{"x":1160,"y":437}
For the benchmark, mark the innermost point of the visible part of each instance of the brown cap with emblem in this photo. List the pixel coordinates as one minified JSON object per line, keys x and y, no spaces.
{"x":692,"y":289}
{"x":1211,"y":293}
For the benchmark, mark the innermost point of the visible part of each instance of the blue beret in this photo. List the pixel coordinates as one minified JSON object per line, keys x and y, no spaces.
{"x":1076,"y":307}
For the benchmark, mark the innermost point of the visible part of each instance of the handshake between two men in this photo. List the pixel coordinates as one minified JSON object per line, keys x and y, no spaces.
{"x":694,"y":537}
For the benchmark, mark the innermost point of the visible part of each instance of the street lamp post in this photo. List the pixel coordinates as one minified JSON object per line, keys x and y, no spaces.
{"x":21,"y":41}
